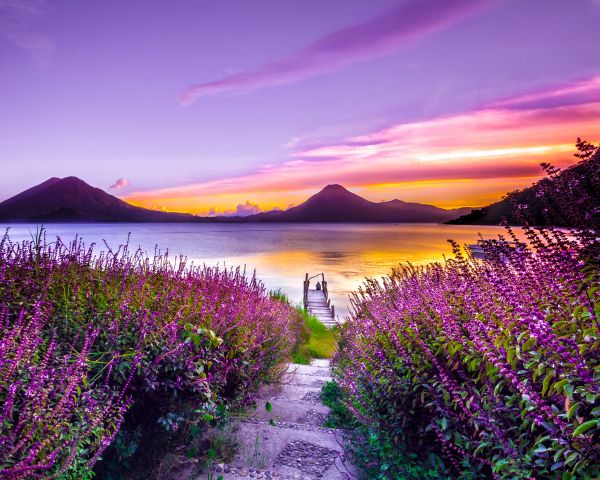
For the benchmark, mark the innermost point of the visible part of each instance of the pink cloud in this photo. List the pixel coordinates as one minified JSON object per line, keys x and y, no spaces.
{"x":120,"y":183}
{"x":574,"y":93}
{"x":382,"y":35}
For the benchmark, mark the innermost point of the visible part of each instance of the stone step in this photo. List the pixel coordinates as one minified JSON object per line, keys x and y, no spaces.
{"x":301,"y":413}
{"x":289,"y":441}
{"x":305,"y":380}
{"x":287,"y":453}
{"x":294,"y":393}
{"x":315,"y":368}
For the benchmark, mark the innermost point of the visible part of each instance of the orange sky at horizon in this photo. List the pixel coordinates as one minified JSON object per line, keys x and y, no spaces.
{"x":465,"y":159}
{"x":443,"y":193}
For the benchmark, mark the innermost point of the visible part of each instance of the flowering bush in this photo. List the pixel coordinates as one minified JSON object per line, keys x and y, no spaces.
{"x":50,"y":413}
{"x":87,"y":339}
{"x":480,"y":369}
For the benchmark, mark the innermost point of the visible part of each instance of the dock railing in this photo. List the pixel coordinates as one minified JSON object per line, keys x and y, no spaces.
{"x":307,"y":280}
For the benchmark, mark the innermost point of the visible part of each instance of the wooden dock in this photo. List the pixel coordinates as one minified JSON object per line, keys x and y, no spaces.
{"x":317,"y":302}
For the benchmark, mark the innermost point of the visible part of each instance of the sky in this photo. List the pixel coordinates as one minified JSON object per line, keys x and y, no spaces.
{"x":240,"y":106}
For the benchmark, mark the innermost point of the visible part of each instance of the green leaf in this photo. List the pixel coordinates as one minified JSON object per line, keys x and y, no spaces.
{"x":498,"y":387}
{"x":547,"y":380}
{"x":268,"y":406}
{"x":585,"y":426}
{"x":558,"y":385}
{"x":568,"y":389}
{"x":528,"y":344}
{"x":510,"y":354}
{"x":573,"y":410}
{"x":573,"y":456}
{"x":499,"y":465}
{"x":444,"y":423}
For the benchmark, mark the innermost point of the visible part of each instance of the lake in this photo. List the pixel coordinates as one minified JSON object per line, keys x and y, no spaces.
{"x":282,"y":254}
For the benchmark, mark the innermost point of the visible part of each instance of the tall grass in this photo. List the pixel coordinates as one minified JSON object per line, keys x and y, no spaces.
{"x":321,"y":341}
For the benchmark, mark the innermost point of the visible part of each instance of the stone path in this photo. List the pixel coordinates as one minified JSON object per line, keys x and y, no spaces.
{"x":290,"y":441}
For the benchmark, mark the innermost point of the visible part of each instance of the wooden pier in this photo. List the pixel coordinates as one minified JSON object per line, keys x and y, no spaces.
{"x":317,"y":302}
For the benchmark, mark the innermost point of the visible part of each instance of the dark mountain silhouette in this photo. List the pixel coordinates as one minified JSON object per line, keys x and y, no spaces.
{"x":336,"y":204}
{"x":566,"y":198}
{"x":72,"y":200}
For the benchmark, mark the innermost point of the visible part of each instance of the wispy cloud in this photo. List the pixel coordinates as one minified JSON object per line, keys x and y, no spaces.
{"x":574,"y":93}
{"x":501,"y":144}
{"x":120,"y":183}
{"x":382,"y":35}
{"x":17,"y":20}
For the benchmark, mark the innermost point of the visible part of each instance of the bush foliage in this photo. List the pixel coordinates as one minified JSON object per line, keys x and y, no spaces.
{"x":87,"y":340}
{"x":485,"y":368}
{"x":490,"y":368}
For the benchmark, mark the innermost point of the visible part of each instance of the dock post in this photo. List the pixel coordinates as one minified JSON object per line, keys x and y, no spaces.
{"x":332,"y":311}
{"x":305,"y":295}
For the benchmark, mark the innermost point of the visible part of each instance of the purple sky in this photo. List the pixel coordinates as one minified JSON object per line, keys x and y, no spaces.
{"x":148,"y":95}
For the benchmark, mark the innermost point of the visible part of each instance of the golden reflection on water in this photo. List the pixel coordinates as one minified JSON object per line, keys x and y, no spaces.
{"x":283,"y":254}
{"x":370,"y":252}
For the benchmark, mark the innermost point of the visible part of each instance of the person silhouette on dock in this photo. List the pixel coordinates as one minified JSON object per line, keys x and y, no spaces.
{"x":318,"y":285}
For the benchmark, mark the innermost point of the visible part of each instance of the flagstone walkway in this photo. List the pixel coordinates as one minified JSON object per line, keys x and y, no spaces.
{"x":284,"y":438}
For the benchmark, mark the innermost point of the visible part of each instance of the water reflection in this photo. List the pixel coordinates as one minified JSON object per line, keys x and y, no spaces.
{"x":283,"y":254}
{"x":333,"y":258}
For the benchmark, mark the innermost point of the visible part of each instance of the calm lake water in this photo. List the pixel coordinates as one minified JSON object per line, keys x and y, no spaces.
{"x":283,"y":254}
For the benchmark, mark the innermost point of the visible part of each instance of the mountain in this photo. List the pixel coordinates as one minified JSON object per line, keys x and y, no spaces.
{"x":70,"y":199}
{"x":336,"y":204}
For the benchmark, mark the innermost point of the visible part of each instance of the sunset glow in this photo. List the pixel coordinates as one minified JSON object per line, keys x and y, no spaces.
{"x":240,"y":107}
{"x":466,"y":159}
{"x":314,"y":239}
